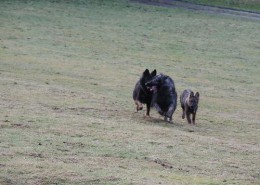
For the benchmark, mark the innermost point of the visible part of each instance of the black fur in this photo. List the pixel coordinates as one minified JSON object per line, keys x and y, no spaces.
{"x":141,"y":94}
{"x":164,"y":95}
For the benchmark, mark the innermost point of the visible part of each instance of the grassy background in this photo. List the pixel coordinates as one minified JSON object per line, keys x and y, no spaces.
{"x":249,"y":5}
{"x":68,"y":69}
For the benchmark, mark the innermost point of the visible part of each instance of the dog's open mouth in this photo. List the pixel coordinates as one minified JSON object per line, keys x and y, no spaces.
{"x":153,"y":89}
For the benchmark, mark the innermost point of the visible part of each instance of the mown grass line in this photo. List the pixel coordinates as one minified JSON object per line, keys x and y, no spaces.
{"x":248,"y":5}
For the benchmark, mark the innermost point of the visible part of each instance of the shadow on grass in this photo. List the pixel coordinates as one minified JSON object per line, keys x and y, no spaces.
{"x":155,"y":120}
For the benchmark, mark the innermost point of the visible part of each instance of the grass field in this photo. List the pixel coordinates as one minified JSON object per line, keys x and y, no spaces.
{"x":68,"y":69}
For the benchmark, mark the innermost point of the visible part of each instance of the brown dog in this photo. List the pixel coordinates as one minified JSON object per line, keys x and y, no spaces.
{"x":189,"y":104}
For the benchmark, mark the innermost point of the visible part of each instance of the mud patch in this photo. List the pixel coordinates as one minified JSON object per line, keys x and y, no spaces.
{"x":8,"y":124}
{"x":161,"y":162}
{"x":36,"y":155}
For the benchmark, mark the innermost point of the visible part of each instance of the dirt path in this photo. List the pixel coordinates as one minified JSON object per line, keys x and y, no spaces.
{"x":202,"y":8}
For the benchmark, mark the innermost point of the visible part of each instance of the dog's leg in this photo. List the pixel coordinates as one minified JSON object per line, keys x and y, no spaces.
{"x":193,"y":118}
{"x":183,"y":113}
{"x":136,"y":103}
{"x":156,"y":106}
{"x":148,"y":106}
{"x":188,"y":117}
{"x":169,"y":120}
{"x":169,"y":113}
{"x":139,"y":105}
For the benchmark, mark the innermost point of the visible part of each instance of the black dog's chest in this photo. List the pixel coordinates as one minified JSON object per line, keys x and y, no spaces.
{"x":192,"y":110}
{"x":144,"y":97}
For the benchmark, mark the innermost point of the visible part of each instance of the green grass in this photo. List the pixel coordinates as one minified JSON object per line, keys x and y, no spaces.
{"x":67,"y":73}
{"x":248,"y":5}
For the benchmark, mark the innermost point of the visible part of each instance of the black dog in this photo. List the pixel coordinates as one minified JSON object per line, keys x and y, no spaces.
{"x":164,"y":95}
{"x":189,"y":104}
{"x":141,"y":94}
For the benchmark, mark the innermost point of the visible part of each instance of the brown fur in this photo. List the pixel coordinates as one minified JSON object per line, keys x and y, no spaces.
{"x":189,"y":104}
{"x":139,"y":105}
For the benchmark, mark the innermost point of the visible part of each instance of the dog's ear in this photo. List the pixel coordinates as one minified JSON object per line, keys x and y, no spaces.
{"x":191,"y":94}
{"x":154,"y":72}
{"x":146,"y":72}
{"x":197,"y":95}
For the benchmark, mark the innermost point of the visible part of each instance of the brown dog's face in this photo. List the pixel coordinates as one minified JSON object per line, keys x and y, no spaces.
{"x":193,"y":101}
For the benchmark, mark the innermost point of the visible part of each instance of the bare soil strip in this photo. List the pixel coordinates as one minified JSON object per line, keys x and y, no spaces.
{"x":202,"y":8}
